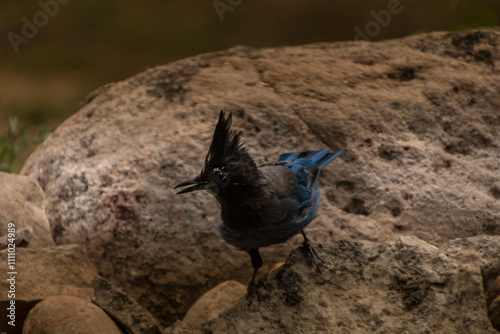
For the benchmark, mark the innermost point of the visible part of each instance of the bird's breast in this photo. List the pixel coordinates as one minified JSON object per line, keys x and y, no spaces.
{"x":240,"y":218}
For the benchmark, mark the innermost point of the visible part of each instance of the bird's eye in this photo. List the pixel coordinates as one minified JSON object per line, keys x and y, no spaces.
{"x":219,"y":173}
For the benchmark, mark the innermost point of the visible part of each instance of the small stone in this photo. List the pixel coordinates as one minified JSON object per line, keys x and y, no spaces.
{"x":22,"y":204}
{"x":214,"y":302}
{"x":68,"y":314}
{"x":276,"y":267}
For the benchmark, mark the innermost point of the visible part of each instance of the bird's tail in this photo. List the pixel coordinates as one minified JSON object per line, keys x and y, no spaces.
{"x":311,"y":158}
{"x":308,"y":164}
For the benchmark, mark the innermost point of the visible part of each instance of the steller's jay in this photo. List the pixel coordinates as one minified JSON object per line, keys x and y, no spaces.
{"x":260,"y":206}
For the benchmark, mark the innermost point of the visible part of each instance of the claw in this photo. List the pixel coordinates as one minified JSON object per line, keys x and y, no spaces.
{"x":312,"y":252}
{"x":253,"y":289}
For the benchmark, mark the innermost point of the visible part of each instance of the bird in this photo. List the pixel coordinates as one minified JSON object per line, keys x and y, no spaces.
{"x":260,"y":205}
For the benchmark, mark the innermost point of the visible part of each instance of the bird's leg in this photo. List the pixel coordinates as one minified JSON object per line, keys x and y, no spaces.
{"x":256,"y":264}
{"x":310,"y":249}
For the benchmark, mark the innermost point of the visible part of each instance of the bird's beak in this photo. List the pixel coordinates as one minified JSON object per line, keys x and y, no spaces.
{"x":198,"y":185}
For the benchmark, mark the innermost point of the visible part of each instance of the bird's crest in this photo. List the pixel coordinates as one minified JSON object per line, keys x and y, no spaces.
{"x":226,"y":146}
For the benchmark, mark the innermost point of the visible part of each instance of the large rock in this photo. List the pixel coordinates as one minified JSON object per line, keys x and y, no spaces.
{"x":42,"y":273}
{"x":405,"y":286}
{"x":22,"y":204}
{"x":417,"y":118}
{"x":68,"y":314}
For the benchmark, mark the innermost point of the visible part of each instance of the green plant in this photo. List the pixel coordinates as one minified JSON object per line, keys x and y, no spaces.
{"x":14,"y":145}
{"x":10,"y":145}
{"x":42,"y":135}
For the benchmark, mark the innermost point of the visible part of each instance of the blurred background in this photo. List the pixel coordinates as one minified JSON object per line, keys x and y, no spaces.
{"x":54,"y":52}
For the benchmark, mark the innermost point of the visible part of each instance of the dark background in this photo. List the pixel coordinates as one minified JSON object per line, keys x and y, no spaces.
{"x":89,"y":43}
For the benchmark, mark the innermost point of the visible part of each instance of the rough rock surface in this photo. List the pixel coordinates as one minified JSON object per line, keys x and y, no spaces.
{"x":68,"y":314}
{"x":45,"y":272}
{"x":22,"y":203}
{"x":405,"y":286}
{"x":214,"y":302}
{"x":124,"y":310}
{"x":418,"y":119}
{"x":41,"y":273}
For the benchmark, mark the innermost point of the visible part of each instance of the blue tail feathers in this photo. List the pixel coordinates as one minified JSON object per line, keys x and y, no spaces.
{"x":307,"y":165}
{"x":310,"y":158}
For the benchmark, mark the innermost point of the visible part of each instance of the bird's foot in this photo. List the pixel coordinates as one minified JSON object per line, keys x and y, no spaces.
{"x":310,"y":250}
{"x":253,"y":289}
{"x":312,"y":253}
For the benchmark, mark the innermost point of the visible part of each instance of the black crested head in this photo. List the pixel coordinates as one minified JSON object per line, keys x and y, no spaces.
{"x":228,"y":162}
{"x":226,"y":145}
{"x":229,"y":169}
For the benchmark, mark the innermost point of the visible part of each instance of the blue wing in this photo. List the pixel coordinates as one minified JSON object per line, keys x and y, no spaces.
{"x":283,"y":212}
